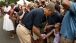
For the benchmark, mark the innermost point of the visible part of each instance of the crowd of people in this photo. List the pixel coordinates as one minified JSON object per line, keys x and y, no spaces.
{"x":26,"y":21}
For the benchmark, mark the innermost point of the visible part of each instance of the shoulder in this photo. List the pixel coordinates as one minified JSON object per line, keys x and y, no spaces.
{"x":72,"y":5}
{"x":11,"y":10}
{"x":36,"y":11}
{"x":57,"y":14}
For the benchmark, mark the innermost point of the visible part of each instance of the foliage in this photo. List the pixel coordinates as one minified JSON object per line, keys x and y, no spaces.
{"x":11,"y":1}
{"x":2,"y":3}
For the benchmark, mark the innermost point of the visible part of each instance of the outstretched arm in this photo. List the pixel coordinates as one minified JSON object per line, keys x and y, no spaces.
{"x":49,"y":34}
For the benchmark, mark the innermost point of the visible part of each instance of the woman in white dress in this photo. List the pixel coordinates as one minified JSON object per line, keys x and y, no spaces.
{"x":8,"y":23}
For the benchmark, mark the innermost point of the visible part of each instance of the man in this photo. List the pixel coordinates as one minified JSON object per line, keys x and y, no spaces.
{"x":68,"y":27}
{"x":33,"y":21}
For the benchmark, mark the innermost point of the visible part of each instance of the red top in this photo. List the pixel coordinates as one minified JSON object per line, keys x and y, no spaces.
{"x":9,"y":11}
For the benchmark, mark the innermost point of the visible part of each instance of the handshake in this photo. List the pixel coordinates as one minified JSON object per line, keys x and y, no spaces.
{"x":43,"y":35}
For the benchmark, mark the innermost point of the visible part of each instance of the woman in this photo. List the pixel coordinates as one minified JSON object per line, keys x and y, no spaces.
{"x":8,"y":21}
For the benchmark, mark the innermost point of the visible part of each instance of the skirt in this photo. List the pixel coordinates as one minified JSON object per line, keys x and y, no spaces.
{"x":8,"y":23}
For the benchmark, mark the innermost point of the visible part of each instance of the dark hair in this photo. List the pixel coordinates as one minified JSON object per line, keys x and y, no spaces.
{"x":15,"y":2}
{"x":42,"y":2}
{"x":37,"y":2}
{"x":58,"y":2}
{"x":57,"y":7}
{"x":17,"y":9}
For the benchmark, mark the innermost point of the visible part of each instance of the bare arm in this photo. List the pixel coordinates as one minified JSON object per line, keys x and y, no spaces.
{"x":22,"y":15}
{"x":2,"y":11}
{"x":49,"y":34}
{"x":35,"y":30}
{"x":11,"y":15}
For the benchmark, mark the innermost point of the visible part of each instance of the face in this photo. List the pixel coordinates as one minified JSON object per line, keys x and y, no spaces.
{"x":35,"y":5}
{"x":48,"y":12}
{"x":12,"y":5}
{"x":6,"y":4}
{"x":57,"y":25}
{"x":23,"y":7}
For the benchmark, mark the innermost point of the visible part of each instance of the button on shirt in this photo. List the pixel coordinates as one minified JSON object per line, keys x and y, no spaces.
{"x":68,"y":27}
{"x":34,"y":17}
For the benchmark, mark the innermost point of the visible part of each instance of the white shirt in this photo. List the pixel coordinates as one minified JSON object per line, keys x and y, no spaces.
{"x":6,"y":9}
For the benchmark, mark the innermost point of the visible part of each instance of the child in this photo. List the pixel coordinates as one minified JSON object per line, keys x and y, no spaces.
{"x":56,"y":33}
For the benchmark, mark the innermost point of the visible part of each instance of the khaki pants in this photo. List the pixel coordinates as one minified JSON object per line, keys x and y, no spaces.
{"x":65,"y":40}
{"x":50,"y":39}
{"x":23,"y":34}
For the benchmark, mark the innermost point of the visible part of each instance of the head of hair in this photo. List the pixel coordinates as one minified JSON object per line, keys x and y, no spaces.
{"x":50,"y":6}
{"x":30,"y":5}
{"x":12,"y":5}
{"x":37,"y":2}
{"x":15,"y":2}
{"x":58,"y":2}
{"x":17,"y":9}
{"x":43,"y":2}
{"x":6,"y":2}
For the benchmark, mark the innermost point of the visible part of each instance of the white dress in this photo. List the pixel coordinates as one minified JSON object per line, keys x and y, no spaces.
{"x":8,"y":23}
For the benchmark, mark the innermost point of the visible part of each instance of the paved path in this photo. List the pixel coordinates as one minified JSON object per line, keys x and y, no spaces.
{"x":4,"y":35}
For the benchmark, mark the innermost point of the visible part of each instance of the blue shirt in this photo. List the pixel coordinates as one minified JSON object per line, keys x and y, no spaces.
{"x":34,"y":17}
{"x":26,"y":12}
{"x":68,"y":27}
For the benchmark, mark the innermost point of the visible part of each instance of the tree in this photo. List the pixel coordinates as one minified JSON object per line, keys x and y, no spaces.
{"x":2,"y":3}
{"x":11,"y":1}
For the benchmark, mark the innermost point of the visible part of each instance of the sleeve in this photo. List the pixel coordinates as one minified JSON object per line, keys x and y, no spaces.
{"x":73,"y":8}
{"x":37,"y":20}
{"x":20,"y":14}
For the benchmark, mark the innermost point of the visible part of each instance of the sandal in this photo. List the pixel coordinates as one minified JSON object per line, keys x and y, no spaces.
{"x":12,"y":37}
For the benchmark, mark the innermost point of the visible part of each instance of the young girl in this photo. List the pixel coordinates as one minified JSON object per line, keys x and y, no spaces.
{"x":56,"y":33}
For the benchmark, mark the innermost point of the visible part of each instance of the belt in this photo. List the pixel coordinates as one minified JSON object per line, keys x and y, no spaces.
{"x":6,"y":12}
{"x":22,"y":24}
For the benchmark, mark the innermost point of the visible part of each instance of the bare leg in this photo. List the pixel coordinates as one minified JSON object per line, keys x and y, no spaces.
{"x":11,"y":35}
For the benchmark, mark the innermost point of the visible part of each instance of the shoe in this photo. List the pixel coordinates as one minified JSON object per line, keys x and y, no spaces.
{"x":12,"y":37}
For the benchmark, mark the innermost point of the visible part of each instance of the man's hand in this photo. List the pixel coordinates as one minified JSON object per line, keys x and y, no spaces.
{"x":41,"y":38}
